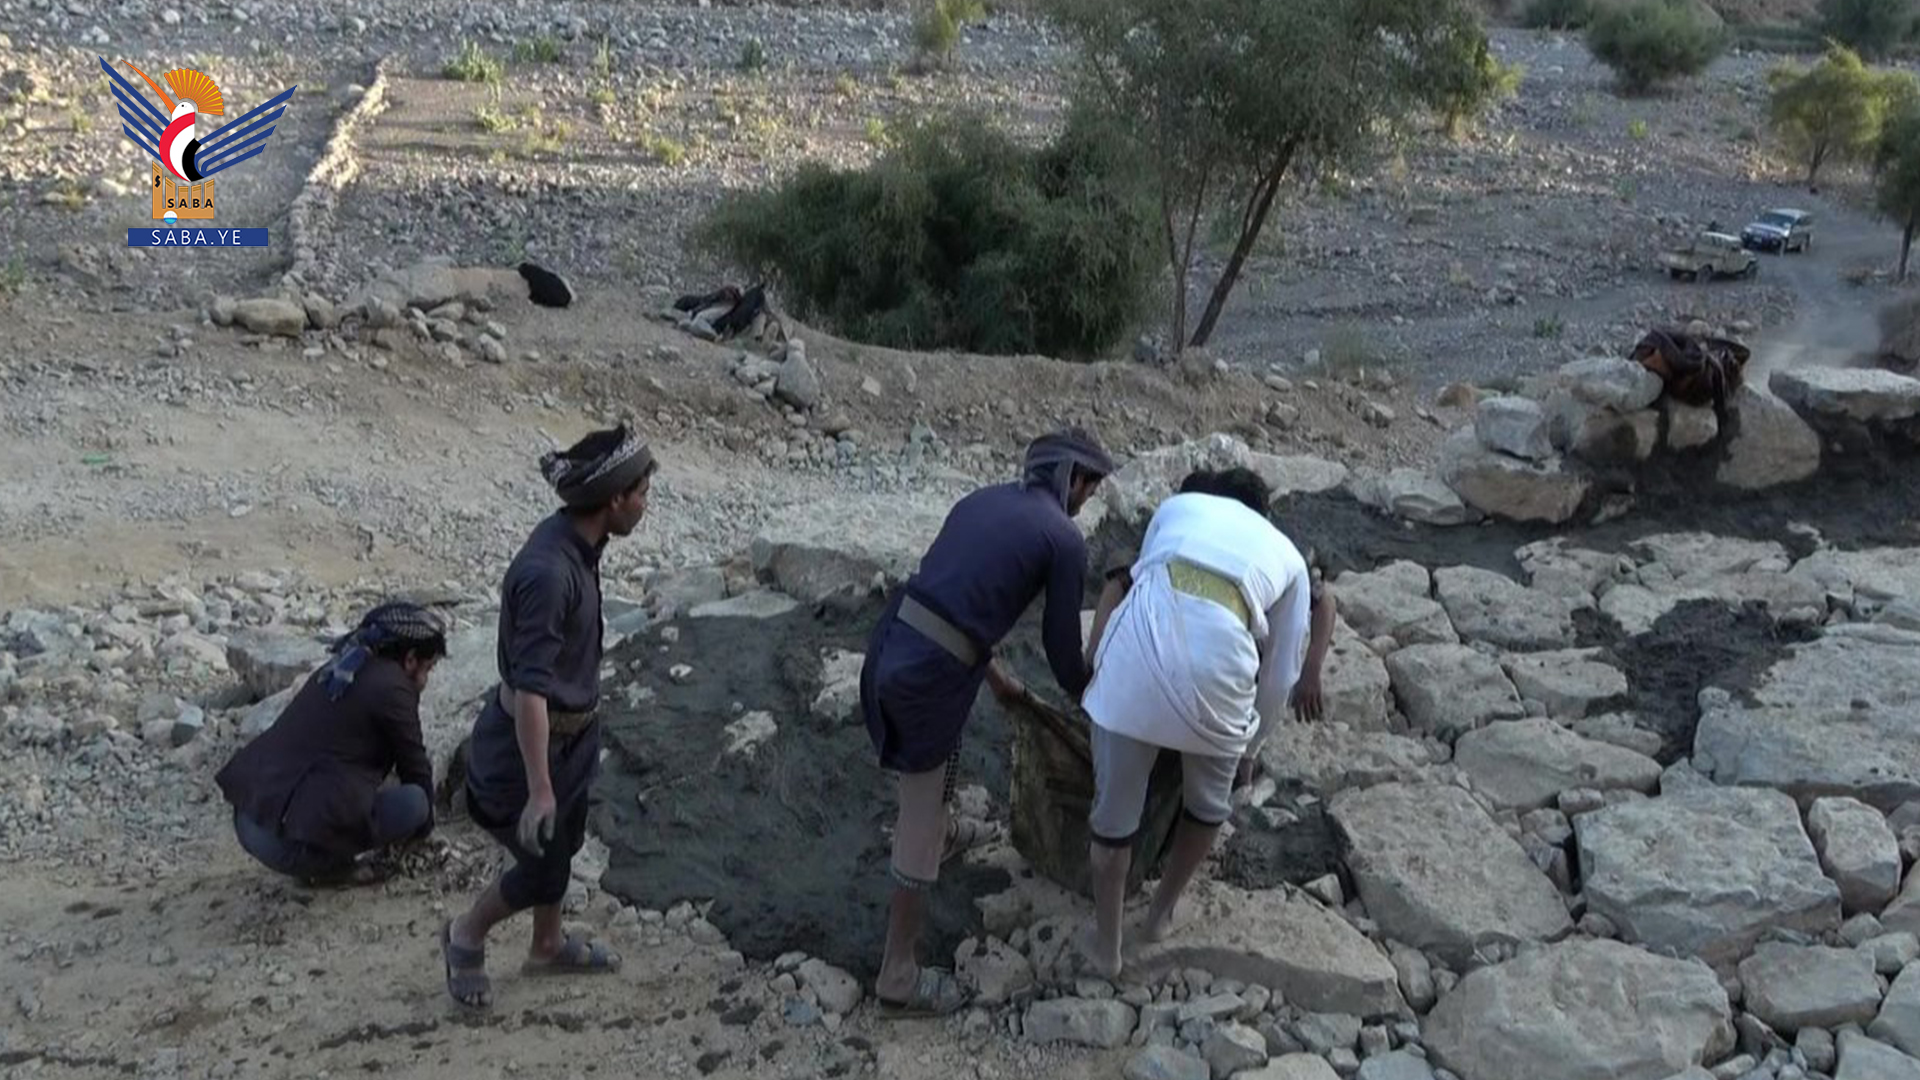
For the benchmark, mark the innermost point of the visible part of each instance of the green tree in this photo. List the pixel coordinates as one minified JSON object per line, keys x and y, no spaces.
{"x":1872,"y":27}
{"x":1897,"y":189}
{"x":1652,"y":42}
{"x":1900,"y":94}
{"x":1466,"y":89}
{"x":1226,"y":99}
{"x":1834,"y":109}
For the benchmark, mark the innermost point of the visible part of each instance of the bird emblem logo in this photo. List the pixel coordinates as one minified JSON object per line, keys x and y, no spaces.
{"x":186,"y":155}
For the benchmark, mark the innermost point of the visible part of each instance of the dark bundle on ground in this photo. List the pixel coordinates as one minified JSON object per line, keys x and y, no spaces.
{"x":544,"y":287}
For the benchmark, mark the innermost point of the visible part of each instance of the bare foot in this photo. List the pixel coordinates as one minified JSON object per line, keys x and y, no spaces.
{"x":1157,"y":926}
{"x":1102,"y":960}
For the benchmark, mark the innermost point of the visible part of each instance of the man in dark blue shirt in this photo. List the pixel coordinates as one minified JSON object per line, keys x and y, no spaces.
{"x":536,"y":743}
{"x":999,"y":548}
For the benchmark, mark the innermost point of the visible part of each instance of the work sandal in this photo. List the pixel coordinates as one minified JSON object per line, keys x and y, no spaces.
{"x":467,"y":981}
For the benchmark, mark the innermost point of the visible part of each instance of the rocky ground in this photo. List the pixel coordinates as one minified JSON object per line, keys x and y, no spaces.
{"x":214,"y":463}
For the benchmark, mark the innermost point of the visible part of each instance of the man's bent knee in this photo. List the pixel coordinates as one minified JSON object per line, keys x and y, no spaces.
{"x":399,"y":812}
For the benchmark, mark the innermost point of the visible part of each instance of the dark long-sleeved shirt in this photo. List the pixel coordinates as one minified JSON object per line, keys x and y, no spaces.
{"x":550,"y":639}
{"x":313,"y":775}
{"x":999,"y":548}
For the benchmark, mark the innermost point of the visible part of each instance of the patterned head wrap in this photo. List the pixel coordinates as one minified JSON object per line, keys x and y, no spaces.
{"x":397,"y":622}
{"x":591,"y":472}
{"x":1052,"y":457}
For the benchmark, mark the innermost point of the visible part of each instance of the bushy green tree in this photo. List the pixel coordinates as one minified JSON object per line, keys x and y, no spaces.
{"x":1834,"y":109}
{"x":1224,"y":100}
{"x":959,"y":237}
{"x":1652,"y":42}
{"x":1479,"y":81}
{"x":1873,"y":28}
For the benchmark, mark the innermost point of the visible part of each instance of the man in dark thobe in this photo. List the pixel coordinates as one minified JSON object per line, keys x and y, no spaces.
{"x":307,"y":796}
{"x":536,"y":744}
{"x":999,"y":548}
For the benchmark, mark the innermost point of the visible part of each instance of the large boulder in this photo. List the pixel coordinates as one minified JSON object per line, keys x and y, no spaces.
{"x":1771,"y":445}
{"x":434,"y":281}
{"x":1282,"y":940}
{"x":847,"y":545}
{"x":1436,"y":872}
{"x":270,"y":659}
{"x":1609,"y":382}
{"x":272,"y":316}
{"x":1581,"y":1010}
{"x":1513,"y":425}
{"x":1600,"y":435}
{"x":1143,"y":481}
{"x":1862,"y":395}
{"x":1704,"y":872}
{"x":1447,"y":690}
{"x":455,"y":694}
{"x":1394,"y":601}
{"x":1898,"y":1021}
{"x":1329,"y":757}
{"x":1104,"y":1024}
{"x":1864,"y":1058}
{"x":1490,"y":607}
{"x":1414,"y":494}
{"x":1526,"y":764}
{"x":1509,"y":487}
{"x":1839,"y":715}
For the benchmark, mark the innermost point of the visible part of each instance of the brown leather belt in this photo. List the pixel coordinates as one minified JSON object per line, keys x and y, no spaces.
{"x":558,"y":722}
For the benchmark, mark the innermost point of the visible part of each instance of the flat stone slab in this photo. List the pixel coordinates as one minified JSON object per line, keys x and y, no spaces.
{"x":1413,"y":494}
{"x":1864,"y":1058}
{"x":1509,"y":487}
{"x":758,"y":604}
{"x":1494,"y":608}
{"x":1143,"y":481}
{"x":1686,"y":557}
{"x":846,"y":545}
{"x":1354,"y":683}
{"x":1581,"y":1010}
{"x":1870,"y":577}
{"x":1282,"y":940}
{"x":1552,"y":566}
{"x":268,"y":660}
{"x":1447,"y":690}
{"x":1394,"y":601}
{"x":1437,"y":873}
{"x":1526,"y":764}
{"x":1898,"y":1021}
{"x":1704,"y":872}
{"x":1794,"y":986}
{"x":1866,"y":395}
{"x":1327,"y":758}
{"x":1770,"y":446}
{"x":1839,"y":715}
{"x":1571,"y":683}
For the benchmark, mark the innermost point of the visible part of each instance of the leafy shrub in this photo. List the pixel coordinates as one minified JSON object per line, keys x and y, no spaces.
{"x":472,"y":64}
{"x":1873,"y":28}
{"x":936,"y":30}
{"x":1652,"y":42}
{"x":959,"y":237}
{"x":545,"y":49}
{"x":1558,"y":14}
{"x":753,"y":56}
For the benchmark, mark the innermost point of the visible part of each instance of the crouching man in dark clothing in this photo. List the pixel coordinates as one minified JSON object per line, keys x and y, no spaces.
{"x":999,"y":549}
{"x":536,"y":742}
{"x":307,"y":796}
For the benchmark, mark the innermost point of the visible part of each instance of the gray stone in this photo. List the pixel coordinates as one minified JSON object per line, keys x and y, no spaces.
{"x":1690,"y":427}
{"x":1509,"y":487}
{"x":1327,"y":758}
{"x":1103,"y":1024}
{"x":837,"y":991}
{"x":271,"y":659}
{"x":1146,"y":479}
{"x":431,"y":282}
{"x":1686,"y":558}
{"x":270,"y":315}
{"x":1394,"y":601}
{"x":1164,"y":1063}
{"x":797,"y":383}
{"x":263,"y":715}
{"x":1816,"y":1046}
{"x":1864,"y":395}
{"x":1891,"y":953}
{"x":1862,"y":1058}
{"x":460,"y":681}
{"x":757,"y":604}
{"x":1490,"y":607}
{"x":1308,"y":955}
{"x":1294,"y":1067}
{"x":1864,"y":580}
{"x":1354,"y":683}
{"x":1771,"y":445}
{"x":1581,"y":1010}
{"x":1858,"y":850}
{"x":844,"y":546}
{"x":1416,"y":977}
{"x":1324,"y":1033}
{"x":1233,"y":1048}
{"x":1483,"y":892}
{"x":1792,"y":986}
{"x":1413,"y":494}
{"x":1611,"y":382}
{"x":1513,"y":425}
{"x":1526,"y":764}
{"x":1398,"y":1065}
{"x":1447,"y":690}
{"x":1836,"y":716}
{"x":1600,"y":435}
{"x":1704,"y":872}
{"x":188,"y":725}
{"x":1898,"y":1020}
{"x":1569,"y":682}
{"x":1620,"y":729}
{"x":1551,"y":566}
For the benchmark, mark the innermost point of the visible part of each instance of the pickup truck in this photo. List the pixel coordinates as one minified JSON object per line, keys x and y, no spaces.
{"x":1711,"y":255}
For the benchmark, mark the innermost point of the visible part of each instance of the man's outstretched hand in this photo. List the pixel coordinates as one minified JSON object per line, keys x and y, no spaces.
{"x":1308,"y":703}
{"x":1006,"y":689}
